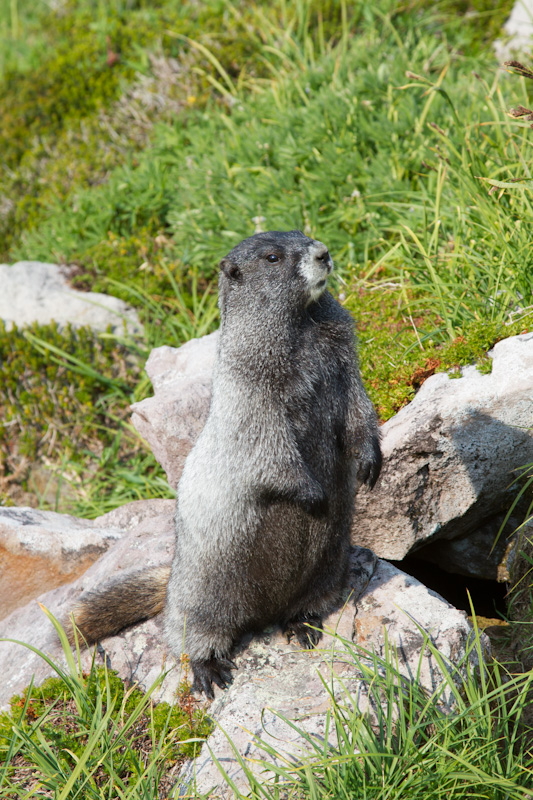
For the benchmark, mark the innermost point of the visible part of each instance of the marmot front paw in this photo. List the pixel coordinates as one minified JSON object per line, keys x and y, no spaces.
{"x":307,"y":631}
{"x":370,"y":467}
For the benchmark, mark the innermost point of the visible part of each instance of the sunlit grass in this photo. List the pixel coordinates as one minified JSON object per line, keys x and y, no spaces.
{"x":89,"y":736}
{"x":410,"y":744}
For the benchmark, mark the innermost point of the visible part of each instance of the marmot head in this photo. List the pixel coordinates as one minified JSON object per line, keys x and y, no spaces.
{"x":277,"y":268}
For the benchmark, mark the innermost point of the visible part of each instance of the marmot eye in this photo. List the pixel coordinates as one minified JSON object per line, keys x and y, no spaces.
{"x":272,"y":257}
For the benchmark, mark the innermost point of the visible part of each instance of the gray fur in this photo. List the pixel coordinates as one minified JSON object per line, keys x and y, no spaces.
{"x":265,"y":501}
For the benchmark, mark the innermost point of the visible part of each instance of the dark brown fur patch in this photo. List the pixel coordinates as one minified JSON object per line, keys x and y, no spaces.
{"x":123,"y":602}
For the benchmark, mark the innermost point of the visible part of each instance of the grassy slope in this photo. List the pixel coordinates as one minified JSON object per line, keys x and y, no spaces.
{"x":155,"y":169}
{"x":88,"y":735}
{"x":171,"y":149}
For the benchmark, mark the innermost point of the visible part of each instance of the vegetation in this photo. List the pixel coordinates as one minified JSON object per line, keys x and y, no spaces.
{"x":409,"y":746}
{"x":159,"y":142}
{"x":88,"y":736}
{"x":139,"y":141}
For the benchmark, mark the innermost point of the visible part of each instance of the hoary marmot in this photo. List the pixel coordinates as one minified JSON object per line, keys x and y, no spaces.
{"x":265,"y":501}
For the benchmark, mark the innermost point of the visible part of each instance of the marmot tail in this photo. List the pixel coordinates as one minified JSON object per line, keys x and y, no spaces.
{"x":123,"y":602}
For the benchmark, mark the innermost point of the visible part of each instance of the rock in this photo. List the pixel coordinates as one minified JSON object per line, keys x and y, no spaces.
{"x":276,"y":680}
{"x":145,"y":537}
{"x":172,"y":419}
{"x":40,"y":550}
{"x":451,"y":455}
{"x":131,"y":515}
{"x":392,"y":610}
{"x":37,"y":292}
{"x":518,"y":31}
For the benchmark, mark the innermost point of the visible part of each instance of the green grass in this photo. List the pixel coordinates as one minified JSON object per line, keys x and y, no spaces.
{"x":20,"y":37}
{"x":90,"y":736}
{"x":409,"y":747}
{"x":380,"y":128}
{"x":87,"y":735}
{"x":386,"y":172}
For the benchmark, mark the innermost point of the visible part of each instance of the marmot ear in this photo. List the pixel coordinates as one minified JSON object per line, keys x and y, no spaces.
{"x":230,"y":269}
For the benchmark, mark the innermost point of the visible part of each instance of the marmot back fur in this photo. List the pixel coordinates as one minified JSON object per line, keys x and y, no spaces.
{"x":265,"y":501}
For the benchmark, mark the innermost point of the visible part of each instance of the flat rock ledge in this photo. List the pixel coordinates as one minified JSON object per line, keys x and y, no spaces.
{"x":391,"y":610}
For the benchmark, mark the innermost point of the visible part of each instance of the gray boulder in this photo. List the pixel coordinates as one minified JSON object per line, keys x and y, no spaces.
{"x":172,"y":419}
{"x":449,"y":456}
{"x":144,"y":535}
{"x":33,"y":291}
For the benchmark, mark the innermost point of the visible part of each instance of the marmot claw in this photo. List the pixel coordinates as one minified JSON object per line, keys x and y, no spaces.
{"x":307,"y":631}
{"x":214,"y":670}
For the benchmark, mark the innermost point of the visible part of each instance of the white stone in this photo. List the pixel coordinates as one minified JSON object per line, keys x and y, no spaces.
{"x":172,"y":419}
{"x":518,"y":31}
{"x":33,"y":291}
{"x":451,"y":455}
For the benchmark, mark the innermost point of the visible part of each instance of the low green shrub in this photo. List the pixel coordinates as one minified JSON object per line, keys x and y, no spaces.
{"x":399,"y":350}
{"x":51,"y":402}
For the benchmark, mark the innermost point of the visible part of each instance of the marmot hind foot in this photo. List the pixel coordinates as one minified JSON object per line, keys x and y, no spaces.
{"x":209,"y":671}
{"x":307,"y":630}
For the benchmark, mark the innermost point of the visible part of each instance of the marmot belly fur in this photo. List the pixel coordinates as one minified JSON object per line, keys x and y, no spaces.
{"x":265,"y":501}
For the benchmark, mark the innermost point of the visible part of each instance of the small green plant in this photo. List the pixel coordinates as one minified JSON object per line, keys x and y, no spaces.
{"x":89,"y":735}
{"x":399,"y":350}
{"x":62,"y":391}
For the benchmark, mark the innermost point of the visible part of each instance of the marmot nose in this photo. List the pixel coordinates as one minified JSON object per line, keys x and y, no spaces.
{"x":324,"y":258}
